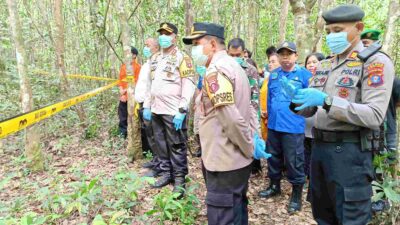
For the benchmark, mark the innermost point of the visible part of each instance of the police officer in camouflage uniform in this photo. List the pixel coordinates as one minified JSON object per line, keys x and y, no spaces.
{"x":349,"y":98}
{"x":172,"y":87}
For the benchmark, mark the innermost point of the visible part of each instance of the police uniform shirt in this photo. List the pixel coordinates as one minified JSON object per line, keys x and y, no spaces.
{"x":360,"y":91}
{"x":172,"y":82}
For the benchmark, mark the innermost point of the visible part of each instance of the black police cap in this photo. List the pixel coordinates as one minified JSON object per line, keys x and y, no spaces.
{"x":169,"y":27}
{"x":202,"y":29}
{"x":343,"y":13}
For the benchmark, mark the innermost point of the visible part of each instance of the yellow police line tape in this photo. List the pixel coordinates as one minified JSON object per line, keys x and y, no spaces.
{"x":20,"y":122}
{"x":81,"y":76}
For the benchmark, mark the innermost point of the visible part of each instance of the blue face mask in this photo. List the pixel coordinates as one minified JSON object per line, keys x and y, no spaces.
{"x":201,"y":70}
{"x":240,"y":60}
{"x":338,"y":42}
{"x":146,"y":52}
{"x":165,"y":41}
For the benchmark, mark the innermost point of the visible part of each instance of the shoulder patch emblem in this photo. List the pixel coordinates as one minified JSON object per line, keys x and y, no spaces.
{"x":274,"y":75}
{"x":219,"y":89}
{"x":186,"y":68}
{"x":375,"y":74}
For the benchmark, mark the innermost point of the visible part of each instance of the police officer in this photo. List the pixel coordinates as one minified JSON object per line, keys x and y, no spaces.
{"x":349,"y":98}
{"x":236,"y":49}
{"x":144,"y":81}
{"x":172,"y":87}
{"x":227,"y":140}
{"x":286,"y":129}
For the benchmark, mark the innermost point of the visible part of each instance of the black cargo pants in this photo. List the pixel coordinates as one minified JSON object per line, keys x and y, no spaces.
{"x":170,"y":146}
{"x":341,"y":176}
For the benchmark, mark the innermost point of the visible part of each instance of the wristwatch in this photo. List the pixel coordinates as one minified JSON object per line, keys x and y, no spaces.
{"x":327,"y":103}
{"x":182,"y":110}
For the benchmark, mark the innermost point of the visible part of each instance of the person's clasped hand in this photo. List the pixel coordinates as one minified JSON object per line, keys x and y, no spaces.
{"x":289,"y":89}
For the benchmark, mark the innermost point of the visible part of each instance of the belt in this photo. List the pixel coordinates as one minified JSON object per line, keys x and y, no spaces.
{"x":336,"y":136}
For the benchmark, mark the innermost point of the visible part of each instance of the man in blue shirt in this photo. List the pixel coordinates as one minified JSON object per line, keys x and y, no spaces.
{"x":286,"y":129}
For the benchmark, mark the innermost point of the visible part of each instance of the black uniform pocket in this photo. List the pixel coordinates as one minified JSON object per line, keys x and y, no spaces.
{"x":357,"y":205}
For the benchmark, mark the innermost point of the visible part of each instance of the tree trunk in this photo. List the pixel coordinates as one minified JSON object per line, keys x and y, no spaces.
{"x":236,"y":20}
{"x":251,"y":25}
{"x":134,"y":148}
{"x":59,"y":42}
{"x":215,"y":15}
{"x":393,"y":16}
{"x":319,"y":24}
{"x":303,"y":32}
{"x":283,"y":20}
{"x":33,"y":151}
{"x":188,"y":21}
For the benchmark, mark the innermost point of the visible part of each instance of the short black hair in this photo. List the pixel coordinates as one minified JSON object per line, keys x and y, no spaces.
{"x":236,"y":43}
{"x":317,"y":55}
{"x":270,"y":50}
{"x":248,"y":52}
{"x":134,"y":51}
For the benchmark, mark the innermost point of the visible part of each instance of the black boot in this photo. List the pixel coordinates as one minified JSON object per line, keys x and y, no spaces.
{"x":273,"y":190}
{"x":295,"y":199}
{"x":152,"y":173}
{"x":179,"y":186}
{"x":148,"y":164}
{"x":164,"y":180}
{"x":198,"y":151}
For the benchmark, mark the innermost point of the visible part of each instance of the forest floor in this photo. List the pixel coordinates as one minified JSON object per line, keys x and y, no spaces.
{"x":82,"y":161}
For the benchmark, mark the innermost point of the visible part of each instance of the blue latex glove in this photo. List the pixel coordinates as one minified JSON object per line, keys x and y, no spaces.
{"x":178,"y":120}
{"x":259,"y":148}
{"x":147,"y":114}
{"x":309,"y":97}
{"x":289,"y":87}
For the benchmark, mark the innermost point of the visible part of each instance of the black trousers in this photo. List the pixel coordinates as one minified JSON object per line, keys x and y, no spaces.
{"x":123,"y":118}
{"x":307,"y":155}
{"x":341,"y":178}
{"x":287,"y":150}
{"x":226,"y":196}
{"x":170,"y":146}
{"x":145,"y":134}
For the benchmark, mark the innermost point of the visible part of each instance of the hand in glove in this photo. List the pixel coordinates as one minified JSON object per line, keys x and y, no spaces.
{"x":178,"y":120}
{"x":290,"y":87}
{"x":259,"y":148}
{"x":309,"y":97}
{"x":147,"y":114}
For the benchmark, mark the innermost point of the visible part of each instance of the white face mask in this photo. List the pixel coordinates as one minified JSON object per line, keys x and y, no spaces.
{"x":198,"y":56}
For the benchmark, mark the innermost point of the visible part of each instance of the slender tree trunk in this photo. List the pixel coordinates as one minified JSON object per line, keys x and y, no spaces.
{"x":252,"y":14}
{"x":301,"y":10}
{"x":134,"y":147}
{"x":33,"y":151}
{"x":59,"y":42}
{"x":319,"y":24}
{"x":215,"y":15}
{"x":283,"y":20}
{"x":393,"y":16}
{"x":188,"y":20}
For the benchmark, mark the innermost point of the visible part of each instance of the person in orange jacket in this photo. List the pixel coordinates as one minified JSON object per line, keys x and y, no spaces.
{"x":273,"y":63}
{"x":123,"y":98}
